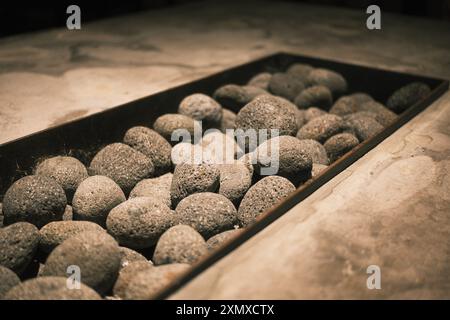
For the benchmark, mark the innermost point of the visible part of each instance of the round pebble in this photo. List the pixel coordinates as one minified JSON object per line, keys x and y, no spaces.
{"x":235,"y":179}
{"x":151,"y":144}
{"x":321,"y":128}
{"x":300,"y":117}
{"x":313,"y":112}
{"x":138,"y":222}
{"x":300,"y":70}
{"x":315,"y":150}
{"x":177,"y":125}
{"x":266,"y":113}
{"x":261,"y":80}
{"x":8,"y":280}
{"x":50,"y":288}
{"x":315,"y":96}
{"x":344,"y":105}
{"x":156,"y":188}
{"x":129,"y":256}
{"x":191,"y":178}
{"x":185,"y":152}
{"x":122,"y":164}
{"x":285,"y":85}
{"x":234,"y":97}
{"x":383,"y":115}
{"x":406,"y":96}
{"x":328,"y":78}
{"x":1,"y":215}
{"x":146,"y":284}
{"x":219,"y":148}
{"x":287,"y":159}
{"x":262,"y":196}
{"x":97,"y":255}
{"x":219,"y":239}
{"x":68,"y":213}
{"x":208,"y":213}
{"x":202,"y":108}
{"x":340,"y":144}
{"x":95,"y":197}
{"x":362,"y":127}
{"x":36,"y":199}
{"x":126,"y":274}
{"x":361,"y":97}
{"x":317,"y":169}
{"x":55,"y":233}
{"x":67,"y":171}
{"x":179,"y":244}
{"x":228,"y":120}
{"x":18,"y":244}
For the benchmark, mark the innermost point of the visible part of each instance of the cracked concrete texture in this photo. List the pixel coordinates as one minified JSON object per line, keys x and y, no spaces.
{"x":390,"y":208}
{"x":49,"y":77}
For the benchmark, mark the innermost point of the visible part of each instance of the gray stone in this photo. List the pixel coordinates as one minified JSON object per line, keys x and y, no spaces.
{"x":260,"y":80}
{"x":235,"y":179}
{"x":219,"y":239}
{"x":202,"y":108}
{"x":340,"y":144}
{"x":406,"y":96}
{"x":315,"y":150}
{"x":179,"y":244}
{"x":157,"y":188}
{"x":126,"y":274}
{"x":286,"y":85}
{"x":8,"y":280}
{"x":321,"y":128}
{"x":174,"y":124}
{"x":234,"y":97}
{"x":328,"y":78}
{"x":36,"y":199}
{"x":315,"y":96}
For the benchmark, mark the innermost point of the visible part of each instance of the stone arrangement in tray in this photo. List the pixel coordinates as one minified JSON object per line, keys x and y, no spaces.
{"x":147,"y":208}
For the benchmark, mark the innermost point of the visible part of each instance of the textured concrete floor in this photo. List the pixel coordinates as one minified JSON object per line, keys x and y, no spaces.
{"x":391,"y":208}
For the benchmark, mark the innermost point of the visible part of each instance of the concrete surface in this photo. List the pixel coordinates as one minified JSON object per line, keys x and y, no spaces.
{"x":391,"y":208}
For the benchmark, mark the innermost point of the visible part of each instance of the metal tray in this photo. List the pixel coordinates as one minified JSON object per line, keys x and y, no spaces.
{"x":82,"y":138}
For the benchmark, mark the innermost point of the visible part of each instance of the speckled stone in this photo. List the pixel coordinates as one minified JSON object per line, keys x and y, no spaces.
{"x":361,"y":97}
{"x":148,"y":283}
{"x":36,"y":199}
{"x":317,"y":169}
{"x":293,"y":163}
{"x":315,"y":96}
{"x":260,"y":80}
{"x":235,"y":179}
{"x":208,"y":213}
{"x":179,"y":244}
{"x":267,"y":112}
{"x":50,"y":288}
{"x":383,"y":115}
{"x":262,"y":196}
{"x":315,"y":150}
{"x":68,"y":213}
{"x":247,"y":160}
{"x":186,"y":152}
{"x":321,"y":128}
{"x":362,"y":127}
{"x":126,"y":274}
{"x":55,"y":233}
{"x":234,"y":97}
{"x":219,"y":148}
{"x":300,"y":70}
{"x":202,"y":108}
{"x":173,"y":124}
{"x":312,"y":113}
{"x":97,"y":255}
{"x":328,"y":78}
{"x":344,"y":105}
{"x":156,"y":188}
{"x":129,"y":256}
{"x":67,"y":171}
{"x":95,"y":197}
{"x":123,"y":164}
{"x":286,"y":85}
{"x":191,"y":178}
{"x":151,"y":144}
{"x":139,"y":222}
{"x":228,"y":120}
{"x":18,"y":244}
{"x":8,"y":280}
{"x":340,"y":144}
{"x":406,"y":96}
{"x":219,"y":239}
{"x":300,"y":117}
